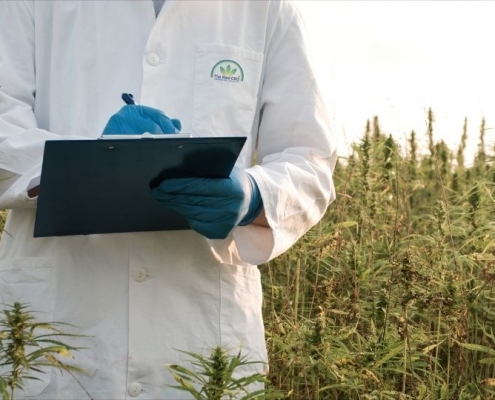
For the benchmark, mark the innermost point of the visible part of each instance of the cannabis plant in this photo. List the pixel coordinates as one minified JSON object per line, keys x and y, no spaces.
{"x":391,"y":295}
{"x":213,"y":377}
{"x":27,"y":346}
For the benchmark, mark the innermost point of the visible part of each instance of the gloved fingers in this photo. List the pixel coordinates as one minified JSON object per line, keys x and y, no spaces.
{"x":204,"y":215}
{"x":118,"y":122}
{"x":186,"y":186}
{"x":119,"y":126}
{"x":213,"y":207}
{"x":177,"y":124}
{"x":173,"y":200}
{"x":201,"y":207}
{"x":201,"y":186}
{"x":159,"y":118}
{"x":148,"y":112}
{"x":166,"y":125}
{"x":130,"y":121}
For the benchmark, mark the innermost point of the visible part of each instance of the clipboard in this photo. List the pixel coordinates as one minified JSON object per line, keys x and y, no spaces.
{"x":103,"y":186}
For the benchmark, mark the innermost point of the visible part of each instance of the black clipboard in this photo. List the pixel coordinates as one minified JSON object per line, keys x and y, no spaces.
{"x":103,"y":186}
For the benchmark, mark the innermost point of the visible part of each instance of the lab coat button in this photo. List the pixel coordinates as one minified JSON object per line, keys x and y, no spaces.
{"x":139,"y":274}
{"x":153,"y":59}
{"x":134,"y":389}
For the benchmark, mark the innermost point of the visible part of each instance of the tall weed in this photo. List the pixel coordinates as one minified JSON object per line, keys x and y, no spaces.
{"x":392,"y":294}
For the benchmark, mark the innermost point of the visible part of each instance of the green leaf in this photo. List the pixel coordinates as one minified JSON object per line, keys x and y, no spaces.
{"x":262,"y":394}
{"x":180,"y":373}
{"x":487,"y":361}
{"x":194,"y":392}
{"x":476,"y":347}
{"x":427,"y":349}
{"x":44,"y":351}
{"x":392,"y":353}
{"x":346,"y":224}
{"x":4,"y":389}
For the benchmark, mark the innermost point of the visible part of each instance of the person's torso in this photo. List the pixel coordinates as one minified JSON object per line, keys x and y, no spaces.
{"x":201,"y":62}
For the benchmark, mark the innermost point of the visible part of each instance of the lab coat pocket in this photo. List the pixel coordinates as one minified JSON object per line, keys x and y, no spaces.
{"x":29,"y":281}
{"x":241,"y":321}
{"x":226,"y":86}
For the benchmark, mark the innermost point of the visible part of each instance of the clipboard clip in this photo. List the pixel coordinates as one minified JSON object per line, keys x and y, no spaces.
{"x":147,"y":135}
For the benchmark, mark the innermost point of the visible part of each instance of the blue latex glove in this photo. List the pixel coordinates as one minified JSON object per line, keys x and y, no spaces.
{"x":213,"y":207}
{"x":136,"y":120}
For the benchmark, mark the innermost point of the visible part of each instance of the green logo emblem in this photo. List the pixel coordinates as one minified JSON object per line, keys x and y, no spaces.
{"x":227,"y":71}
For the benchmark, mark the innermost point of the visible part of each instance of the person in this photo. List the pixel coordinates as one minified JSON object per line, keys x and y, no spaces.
{"x":223,"y":68}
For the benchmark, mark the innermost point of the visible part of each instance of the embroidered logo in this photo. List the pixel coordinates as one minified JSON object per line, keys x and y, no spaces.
{"x":227,"y":71}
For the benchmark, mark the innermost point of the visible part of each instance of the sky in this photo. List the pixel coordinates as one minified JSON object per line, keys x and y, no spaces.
{"x":395,"y":59}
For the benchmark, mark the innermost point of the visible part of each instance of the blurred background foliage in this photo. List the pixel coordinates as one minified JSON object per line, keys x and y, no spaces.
{"x":391,"y":295}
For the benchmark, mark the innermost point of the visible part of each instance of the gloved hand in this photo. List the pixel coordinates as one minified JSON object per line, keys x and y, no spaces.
{"x":213,"y":207}
{"x":136,"y":120}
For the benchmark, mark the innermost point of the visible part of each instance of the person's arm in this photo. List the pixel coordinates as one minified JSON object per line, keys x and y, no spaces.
{"x":261,"y":220}
{"x":21,"y":140}
{"x":21,"y":143}
{"x":32,"y":193}
{"x":296,"y":151}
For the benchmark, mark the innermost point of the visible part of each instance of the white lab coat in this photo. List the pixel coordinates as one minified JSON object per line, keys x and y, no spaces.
{"x":143,"y":296}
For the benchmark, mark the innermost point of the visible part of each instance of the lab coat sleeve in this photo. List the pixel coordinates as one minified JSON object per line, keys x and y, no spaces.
{"x":21,"y":142}
{"x":296,"y":152}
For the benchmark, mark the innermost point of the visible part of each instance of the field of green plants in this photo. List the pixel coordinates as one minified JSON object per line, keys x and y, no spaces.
{"x":392,"y":294}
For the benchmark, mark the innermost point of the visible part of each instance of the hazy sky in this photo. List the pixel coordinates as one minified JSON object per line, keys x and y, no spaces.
{"x":395,"y":59}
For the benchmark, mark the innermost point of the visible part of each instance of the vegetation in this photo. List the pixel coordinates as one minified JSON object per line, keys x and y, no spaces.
{"x":27,"y":346}
{"x":391,"y":295}
{"x":213,"y":378}
{"x":3,"y":216}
